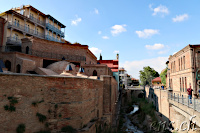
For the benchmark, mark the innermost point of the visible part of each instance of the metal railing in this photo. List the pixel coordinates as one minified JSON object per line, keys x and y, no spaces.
{"x":25,"y":29}
{"x":37,"y":20}
{"x":13,"y":41}
{"x":194,"y":103}
{"x":54,"y":29}
{"x":50,"y":38}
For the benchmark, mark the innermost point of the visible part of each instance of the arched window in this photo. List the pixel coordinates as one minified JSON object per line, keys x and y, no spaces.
{"x":94,"y":73}
{"x":18,"y":68}
{"x":8,"y":65}
{"x":27,"y":50}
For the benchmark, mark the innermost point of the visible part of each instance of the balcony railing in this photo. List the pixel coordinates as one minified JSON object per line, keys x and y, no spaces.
{"x":27,"y":30}
{"x":37,"y":20}
{"x":195,"y":103}
{"x":50,"y":38}
{"x":54,"y":29}
{"x":14,"y":41}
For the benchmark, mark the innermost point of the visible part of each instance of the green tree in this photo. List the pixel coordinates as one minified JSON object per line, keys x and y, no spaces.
{"x":163,"y":77}
{"x":147,"y":74}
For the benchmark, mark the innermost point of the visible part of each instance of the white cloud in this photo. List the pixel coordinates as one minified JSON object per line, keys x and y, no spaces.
{"x":156,"y":46}
{"x":117,"y":29}
{"x":162,"y":10}
{"x":95,"y":51}
{"x":105,"y":37}
{"x":76,"y":21}
{"x":147,"y":33}
{"x":133,"y":67}
{"x":163,"y":51}
{"x":96,"y":11}
{"x":180,"y":18}
{"x":99,"y":32}
{"x":116,"y":52}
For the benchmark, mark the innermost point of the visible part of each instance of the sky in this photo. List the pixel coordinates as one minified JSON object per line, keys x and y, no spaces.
{"x":143,"y":32}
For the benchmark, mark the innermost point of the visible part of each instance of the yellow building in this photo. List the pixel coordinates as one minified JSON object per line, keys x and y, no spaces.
{"x":27,"y":21}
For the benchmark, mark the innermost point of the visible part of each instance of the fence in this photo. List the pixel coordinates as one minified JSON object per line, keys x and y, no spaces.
{"x":195,"y":103}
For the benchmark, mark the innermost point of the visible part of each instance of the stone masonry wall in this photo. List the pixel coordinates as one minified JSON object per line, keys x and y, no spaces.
{"x":109,"y":98}
{"x":52,"y":49}
{"x":63,"y":100}
{"x":27,"y":62}
{"x":160,"y":99}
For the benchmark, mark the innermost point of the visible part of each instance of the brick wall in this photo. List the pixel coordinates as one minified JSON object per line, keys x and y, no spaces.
{"x":160,"y":100}
{"x":27,"y":62}
{"x":53,"y":49}
{"x":100,"y":69}
{"x":110,"y":94}
{"x":78,"y":101}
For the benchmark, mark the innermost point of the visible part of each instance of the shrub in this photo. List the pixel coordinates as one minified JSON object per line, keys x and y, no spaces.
{"x":41,"y":117}
{"x":20,"y":128}
{"x":44,"y":131}
{"x":56,"y":106}
{"x":6,"y":107}
{"x":9,"y":108}
{"x":34,"y":104}
{"x":68,"y":129}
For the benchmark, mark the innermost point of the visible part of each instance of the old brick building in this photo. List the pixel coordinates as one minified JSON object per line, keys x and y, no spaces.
{"x":183,"y":69}
{"x":36,"y":52}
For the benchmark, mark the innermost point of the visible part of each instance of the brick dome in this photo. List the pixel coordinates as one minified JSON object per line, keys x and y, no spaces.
{"x":60,"y":66}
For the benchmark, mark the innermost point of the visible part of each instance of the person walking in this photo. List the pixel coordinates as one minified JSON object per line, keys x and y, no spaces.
{"x":189,"y":90}
{"x":199,"y":93}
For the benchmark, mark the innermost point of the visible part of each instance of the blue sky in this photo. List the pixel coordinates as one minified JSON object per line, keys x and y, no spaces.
{"x":144,"y":32}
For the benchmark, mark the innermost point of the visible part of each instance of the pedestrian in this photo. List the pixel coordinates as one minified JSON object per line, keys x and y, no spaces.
{"x":189,"y":90}
{"x":199,"y":92}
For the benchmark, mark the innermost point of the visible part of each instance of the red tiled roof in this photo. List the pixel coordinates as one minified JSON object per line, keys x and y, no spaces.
{"x":114,"y":70}
{"x":134,"y":79}
{"x":111,"y":64}
{"x":158,"y":79}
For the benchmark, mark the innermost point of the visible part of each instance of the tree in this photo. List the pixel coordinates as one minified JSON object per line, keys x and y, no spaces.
{"x":163,"y":77}
{"x":147,"y":74}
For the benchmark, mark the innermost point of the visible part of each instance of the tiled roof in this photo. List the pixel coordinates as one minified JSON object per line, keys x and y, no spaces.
{"x":158,"y":79}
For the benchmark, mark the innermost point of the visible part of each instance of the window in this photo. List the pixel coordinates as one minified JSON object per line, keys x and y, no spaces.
{"x":18,"y":68}
{"x":183,"y":62}
{"x":37,"y":32}
{"x":171,"y":68}
{"x":27,"y":50}
{"x":15,"y":22}
{"x":174,"y":66}
{"x":18,"y":23}
{"x":185,"y":84}
{"x":180,"y":85}
{"x":179,"y":64}
{"x":28,"y":29}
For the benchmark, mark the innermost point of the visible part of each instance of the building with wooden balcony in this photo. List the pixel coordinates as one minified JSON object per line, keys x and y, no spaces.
{"x":26,"y":21}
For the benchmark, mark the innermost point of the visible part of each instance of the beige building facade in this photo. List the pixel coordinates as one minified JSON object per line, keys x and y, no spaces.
{"x":26,"y":21}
